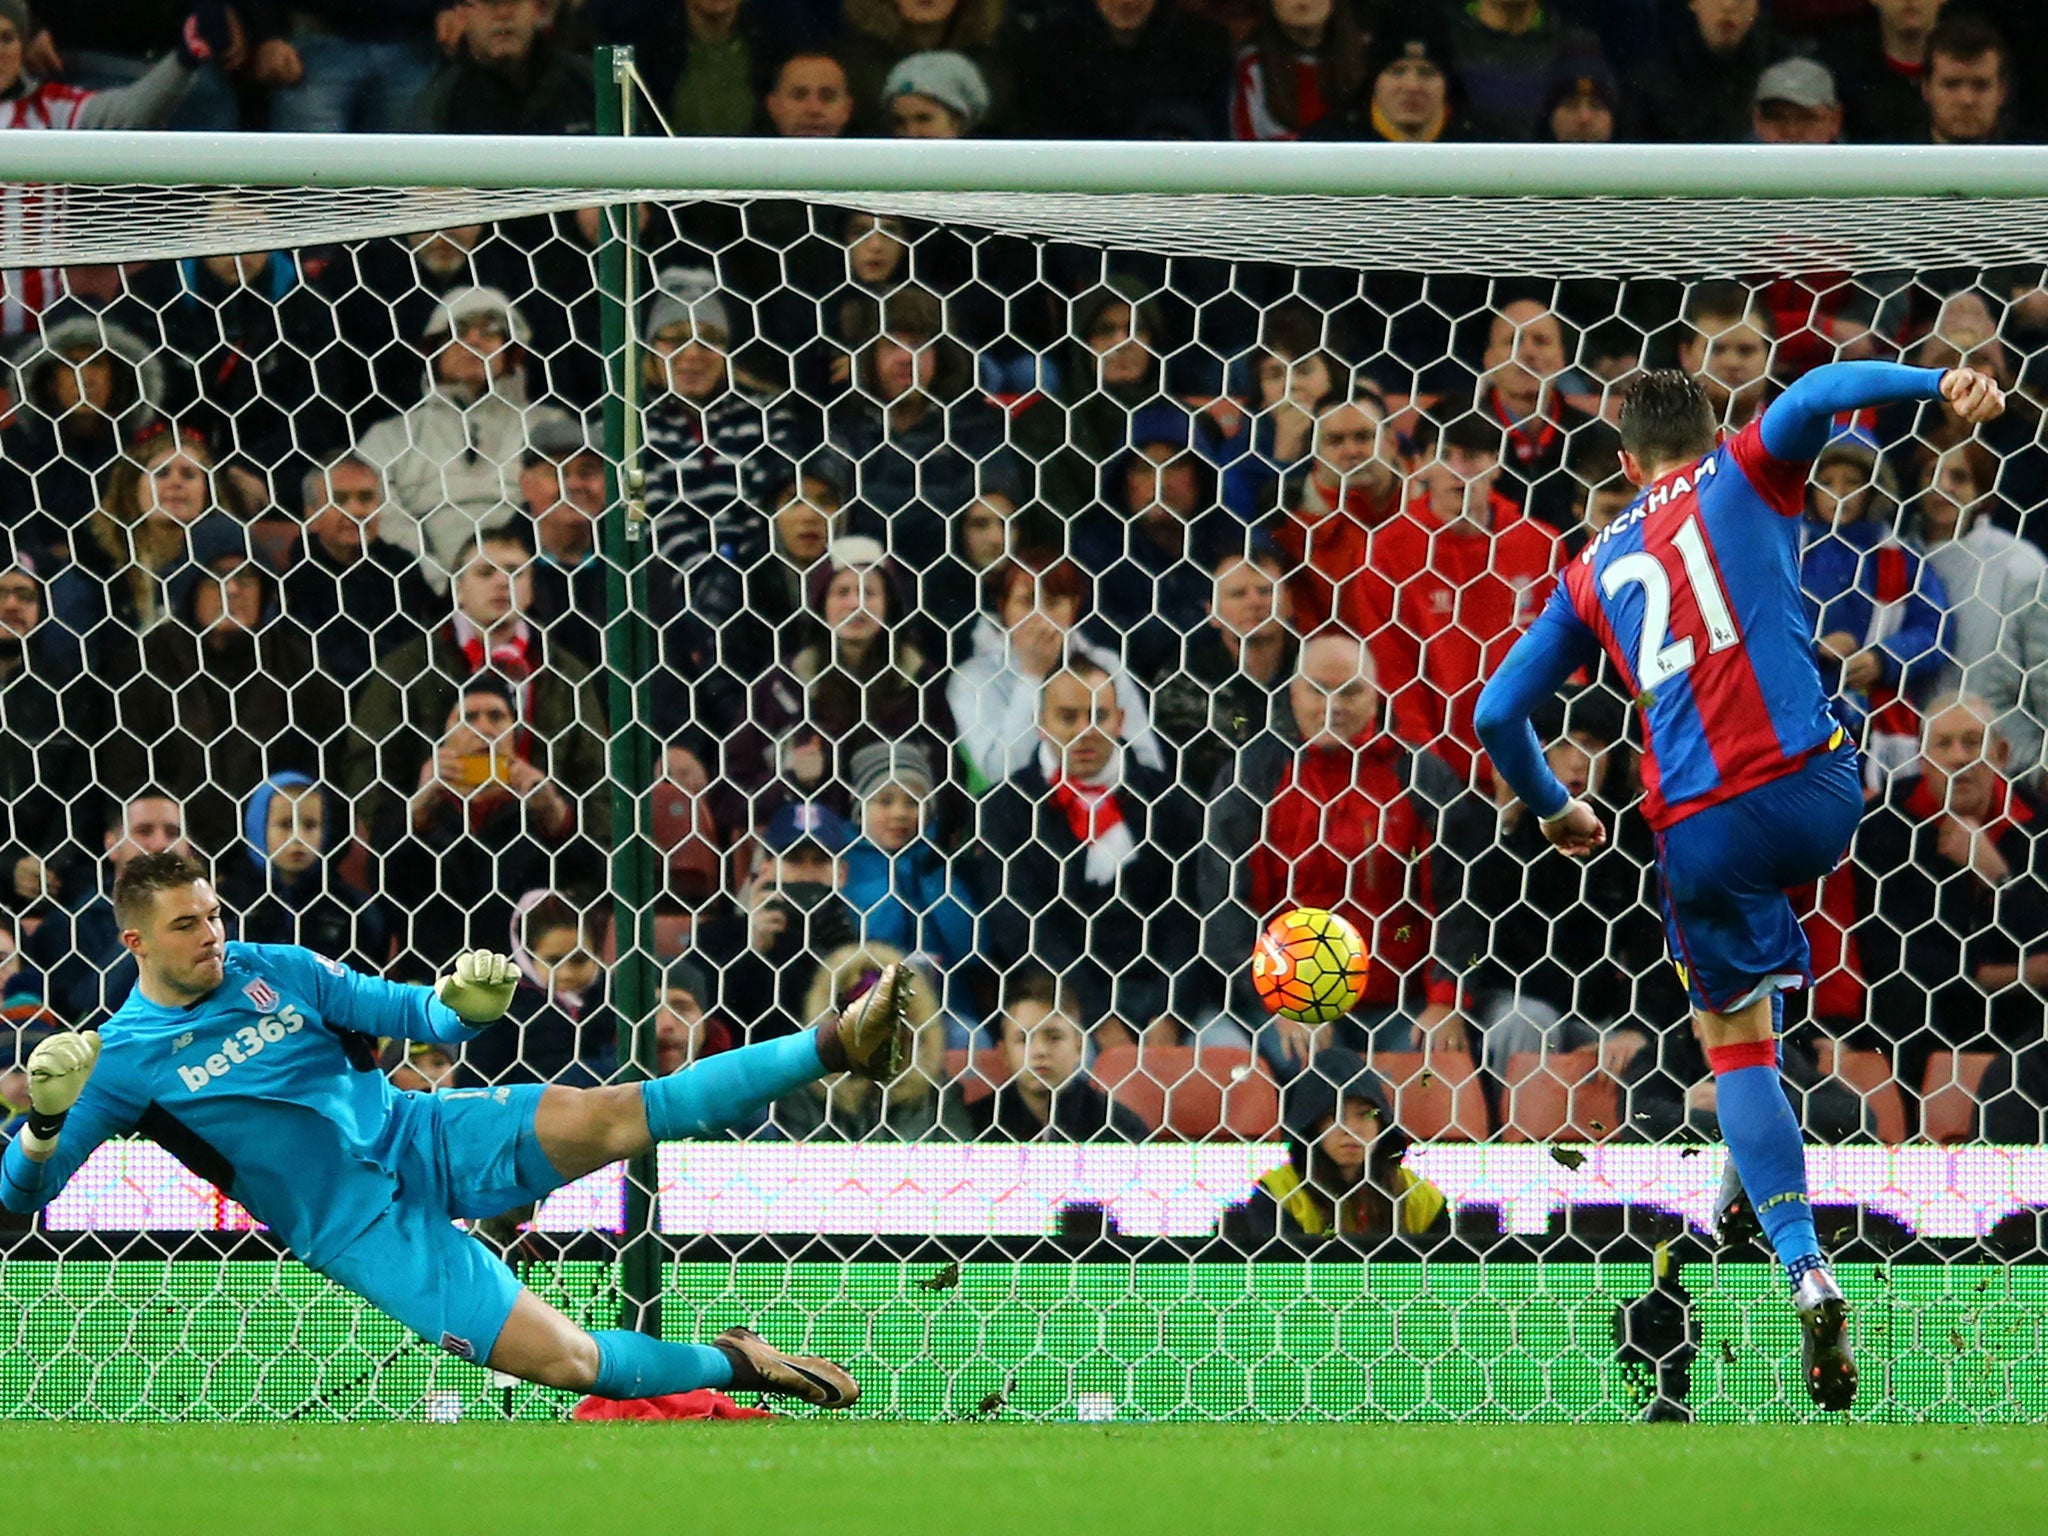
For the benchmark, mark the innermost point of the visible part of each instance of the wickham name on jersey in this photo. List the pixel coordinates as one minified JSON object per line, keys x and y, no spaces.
{"x":1701,"y":473}
{"x":249,"y":1041}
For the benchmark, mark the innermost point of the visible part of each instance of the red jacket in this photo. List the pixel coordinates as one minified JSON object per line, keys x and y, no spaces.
{"x":1441,"y":605}
{"x":1342,"y":833}
{"x":1326,"y":554}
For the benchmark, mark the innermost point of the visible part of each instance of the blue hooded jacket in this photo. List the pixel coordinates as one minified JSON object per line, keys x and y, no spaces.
{"x":314,"y":906}
{"x":909,"y":899}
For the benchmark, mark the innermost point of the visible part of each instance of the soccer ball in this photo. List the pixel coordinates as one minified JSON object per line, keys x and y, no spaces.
{"x":1310,"y":966}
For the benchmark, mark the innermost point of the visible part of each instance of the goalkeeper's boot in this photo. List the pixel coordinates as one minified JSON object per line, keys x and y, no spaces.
{"x":758,"y":1366}
{"x":1825,"y":1354}
{"x":870,"y":1038}
{"x":1735,"y":1223}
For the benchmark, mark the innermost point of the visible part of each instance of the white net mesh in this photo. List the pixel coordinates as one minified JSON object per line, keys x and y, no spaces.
{"x":936,"y":509}
{"x":1559,"y":237}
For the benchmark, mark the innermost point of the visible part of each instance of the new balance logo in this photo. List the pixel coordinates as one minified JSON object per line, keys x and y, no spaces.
{"x":259,"y":992}
{"x":249,"y":1041}
{"x":182,"y":1041}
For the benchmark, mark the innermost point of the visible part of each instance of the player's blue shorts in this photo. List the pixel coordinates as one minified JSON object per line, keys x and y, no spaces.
{"x":471,"y":1153}
{"x":1726,"y":869}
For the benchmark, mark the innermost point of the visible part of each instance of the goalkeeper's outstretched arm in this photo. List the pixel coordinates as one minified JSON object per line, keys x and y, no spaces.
{"x":475,"y":991}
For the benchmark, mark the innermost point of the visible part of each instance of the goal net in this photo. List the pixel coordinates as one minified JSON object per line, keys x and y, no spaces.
{"x":711,"y":575}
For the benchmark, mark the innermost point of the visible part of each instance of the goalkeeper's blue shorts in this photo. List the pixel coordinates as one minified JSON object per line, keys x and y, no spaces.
{"x":470,"y":1153}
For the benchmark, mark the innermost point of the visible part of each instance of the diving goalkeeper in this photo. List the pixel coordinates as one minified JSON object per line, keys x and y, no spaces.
{"x":256,"y":1065}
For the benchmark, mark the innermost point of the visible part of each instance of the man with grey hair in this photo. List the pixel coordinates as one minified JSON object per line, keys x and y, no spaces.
{"x":1954,"y":867}
{"x":1330,"y":809}
{"x":358,"y":595}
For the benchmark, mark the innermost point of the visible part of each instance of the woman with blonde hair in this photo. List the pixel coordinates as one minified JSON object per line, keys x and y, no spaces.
{"x":163,"y":500}
{"x":915,"y":1107}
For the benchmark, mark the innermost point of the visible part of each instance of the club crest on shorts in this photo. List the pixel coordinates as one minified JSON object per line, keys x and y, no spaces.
{"x":458,"y":1346}
{"x":262,"y":994}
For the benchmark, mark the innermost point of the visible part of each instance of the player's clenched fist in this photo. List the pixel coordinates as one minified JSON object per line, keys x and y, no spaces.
{"x":57,"y":1072}
{"x":1575,"y":830}
{"x":1973,"y":394}
{"x":480,"y":986}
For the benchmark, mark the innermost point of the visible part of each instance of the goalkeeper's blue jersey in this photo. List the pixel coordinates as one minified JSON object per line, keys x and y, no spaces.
{"x":268,"y":1087}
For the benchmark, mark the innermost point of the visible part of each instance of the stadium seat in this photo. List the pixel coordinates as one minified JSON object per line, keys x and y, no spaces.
{"x":1563,"y":1096}
{"x":1193,"y":1093}
{"x":1436,"y":1097}
{"x":1870,"y":1074}
{"x":1948,"y":1094}
{"x":976,"y":1073}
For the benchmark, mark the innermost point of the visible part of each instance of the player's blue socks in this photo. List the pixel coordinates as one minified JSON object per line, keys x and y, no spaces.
{"x":633,"y":1365}
{"x":1763,"y":1137}
{"x":724,"y":1089}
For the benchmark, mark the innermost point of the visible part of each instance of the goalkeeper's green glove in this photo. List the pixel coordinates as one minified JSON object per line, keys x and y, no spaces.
{"x":479,"y":987}
{"x":57,"y":1073}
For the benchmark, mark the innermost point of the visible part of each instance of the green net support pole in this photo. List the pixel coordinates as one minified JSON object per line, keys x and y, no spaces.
{"x":629,"y":658}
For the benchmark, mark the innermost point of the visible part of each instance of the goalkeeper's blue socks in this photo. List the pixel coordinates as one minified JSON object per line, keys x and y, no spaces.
{"x":725,"y":1089}
{"x":633,"y":1365}
{"x":1763,"y":1137}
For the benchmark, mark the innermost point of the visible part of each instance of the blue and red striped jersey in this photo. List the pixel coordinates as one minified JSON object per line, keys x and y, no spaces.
{"x":1693,"y":592}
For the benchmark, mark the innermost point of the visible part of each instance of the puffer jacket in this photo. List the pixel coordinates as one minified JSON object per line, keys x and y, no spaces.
{"x":451,"y":467}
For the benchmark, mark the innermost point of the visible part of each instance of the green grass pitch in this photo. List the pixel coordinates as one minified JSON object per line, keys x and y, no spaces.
{"x":849,"y":1478}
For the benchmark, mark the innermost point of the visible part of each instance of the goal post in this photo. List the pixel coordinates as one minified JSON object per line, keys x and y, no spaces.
{"x":376,"y":183}
{"x":697,"y":740}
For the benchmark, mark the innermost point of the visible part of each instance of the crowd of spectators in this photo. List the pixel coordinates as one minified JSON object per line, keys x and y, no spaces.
{"x":1048,"y":617}
{"x":1710,"y":71}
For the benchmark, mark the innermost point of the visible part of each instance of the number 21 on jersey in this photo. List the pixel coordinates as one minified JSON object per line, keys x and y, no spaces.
{"x":1662,"y":656}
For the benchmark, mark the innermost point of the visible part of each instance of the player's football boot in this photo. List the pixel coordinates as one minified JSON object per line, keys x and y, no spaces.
{"x":1735,"y":1223}
{"x":870,"y":1037}
{"x":758,"y":1366}
{"x":1824,"y":1350}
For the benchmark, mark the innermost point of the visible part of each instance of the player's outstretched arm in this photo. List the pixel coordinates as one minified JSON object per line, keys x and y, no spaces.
{"x":476,"y":991}
{"x":1555,"y":647}
{"x":1797,"y":425}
